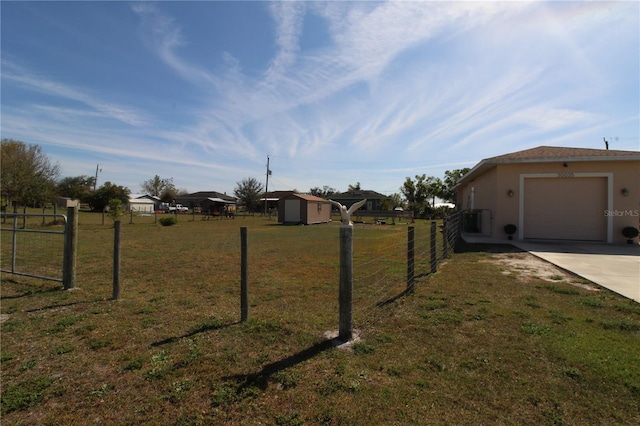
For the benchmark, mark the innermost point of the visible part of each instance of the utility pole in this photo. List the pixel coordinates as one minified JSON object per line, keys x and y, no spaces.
{"x":95,"y":182}
{"x":266,"y":188}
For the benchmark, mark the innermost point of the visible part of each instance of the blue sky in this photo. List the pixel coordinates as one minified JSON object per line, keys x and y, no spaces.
{"x":335,"y":93}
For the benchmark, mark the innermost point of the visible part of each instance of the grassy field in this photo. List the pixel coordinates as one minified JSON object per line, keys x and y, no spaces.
{"x":472,"y":345}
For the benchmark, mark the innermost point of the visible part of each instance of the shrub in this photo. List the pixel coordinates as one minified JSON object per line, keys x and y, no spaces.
{"x":168,"y":221}
{"x":510,"y":229}
{"x":630,"y":232}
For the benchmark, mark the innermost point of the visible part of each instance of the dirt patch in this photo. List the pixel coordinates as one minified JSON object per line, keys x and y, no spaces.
{"x":527,"y":267}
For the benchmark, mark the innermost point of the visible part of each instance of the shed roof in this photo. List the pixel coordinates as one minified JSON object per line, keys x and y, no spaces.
{"x":307,"y":197}
{"x":550,"y":154}
{"x":209,"y":194}
{"x":140,"y":201}
{"x":220,"y":200}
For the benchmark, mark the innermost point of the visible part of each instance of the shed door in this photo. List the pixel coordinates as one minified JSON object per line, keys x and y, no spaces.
{"x":292,"y":210}
{"x":565,"y":208}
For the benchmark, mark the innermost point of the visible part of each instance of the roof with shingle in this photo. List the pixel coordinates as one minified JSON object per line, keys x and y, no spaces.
{"x":558,"y":152}
{"x":358,"y":194}
{"x":306,"y":197}
{"x":548,"y":154}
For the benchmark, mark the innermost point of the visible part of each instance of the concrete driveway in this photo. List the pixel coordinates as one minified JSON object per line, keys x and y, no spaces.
{"x":616,"y":267}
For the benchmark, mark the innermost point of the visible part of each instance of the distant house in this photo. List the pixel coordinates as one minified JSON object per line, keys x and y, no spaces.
{"x":208,"y":202}
{"x":375,"y":201}
{"x":140,"y":205}
{"x":157,"y":203}
{"x":303,"y":209}
{"x":553,"y":193}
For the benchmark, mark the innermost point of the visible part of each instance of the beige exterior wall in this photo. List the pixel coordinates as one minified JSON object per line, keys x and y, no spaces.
{"x":492,"y":191}
{"x":481,"y":195}
{"x":318,"y":212}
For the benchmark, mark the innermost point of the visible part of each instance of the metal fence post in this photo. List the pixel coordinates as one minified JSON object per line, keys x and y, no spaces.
{"x":244,"y":275}
{"x":345,"y":331}
{"x":410,"y":259}
{"x":14,"y":241}
{"x":70,"y":249}
{"x":443,"y":230}
{"x":434,"y":253}
{"x":116,"y":260}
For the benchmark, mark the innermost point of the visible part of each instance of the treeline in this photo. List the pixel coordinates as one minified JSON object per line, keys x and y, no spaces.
{"x":29,"y":178}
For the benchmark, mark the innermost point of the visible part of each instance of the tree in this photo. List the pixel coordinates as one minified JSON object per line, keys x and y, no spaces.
{"x":76,"y":188}
{"x":116,"y":209}
{"x":416,"y":194}
{"x":325,"y":192}
{"x":451,"y":179}
{"x":168,"y":195}
{"x":395,"y":200}
{"x":108,"y":192}
{"x":355,"y":187}
{"x":158,"y":187}
{"x":27,"y":175}
{"x":419,"y":193}
{"x":435,"y":188}
{"x":248,"y":192}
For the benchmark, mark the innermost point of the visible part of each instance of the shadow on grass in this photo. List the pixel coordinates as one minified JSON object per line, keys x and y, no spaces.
{"x":486,"y":248}
{"x":64,"y":305}
{"x":398,"y":296}
{"x":261,"y":378}
{"x":25,"y":289}
{"x":202,"y":328}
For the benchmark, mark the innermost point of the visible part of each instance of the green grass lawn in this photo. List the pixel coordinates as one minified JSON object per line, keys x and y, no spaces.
{"x":472,"y":345}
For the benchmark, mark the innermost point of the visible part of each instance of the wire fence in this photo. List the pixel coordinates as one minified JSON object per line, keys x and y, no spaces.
{"x":386,"y":262}
{"x":39,"y":245}
{"x":292,"y":268}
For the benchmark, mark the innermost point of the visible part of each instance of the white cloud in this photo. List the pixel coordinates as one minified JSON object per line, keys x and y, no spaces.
{"x":399,"y":88}
{"x":25,"y":78}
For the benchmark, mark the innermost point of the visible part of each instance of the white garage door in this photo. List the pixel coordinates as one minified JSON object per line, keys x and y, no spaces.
{"x":292,"y":210}
{"x":565,"y":208}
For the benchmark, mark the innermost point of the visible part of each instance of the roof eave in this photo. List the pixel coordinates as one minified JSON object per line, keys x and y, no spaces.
{"x":489,"y":163}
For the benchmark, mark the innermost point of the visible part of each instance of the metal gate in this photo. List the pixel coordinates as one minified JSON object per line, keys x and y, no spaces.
{"x":45,"y":251}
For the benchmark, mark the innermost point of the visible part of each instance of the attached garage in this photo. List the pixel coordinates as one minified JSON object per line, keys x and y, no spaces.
{"x":570,"y":208}
{"x":554,"y":193}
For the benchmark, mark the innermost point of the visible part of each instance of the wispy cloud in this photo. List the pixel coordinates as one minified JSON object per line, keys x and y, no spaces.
{"x":396,"y":87}
{"x":164,"y":36}
{"x":288,"y":18}
{"x":22,"y":76}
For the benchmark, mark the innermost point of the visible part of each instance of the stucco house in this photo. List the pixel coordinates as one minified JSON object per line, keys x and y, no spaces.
{"x":553,"y":193}
{"x":303,"y":209}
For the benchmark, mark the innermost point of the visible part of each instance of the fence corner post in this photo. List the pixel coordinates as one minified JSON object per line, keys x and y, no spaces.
{"x":345,"y":331}
{"x":70,"y":249}
{"x":244,"y":276}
